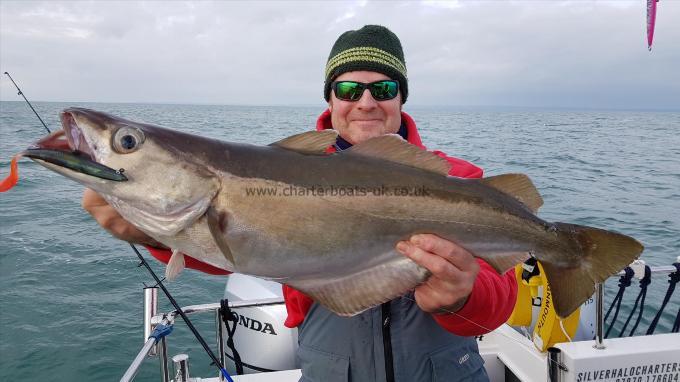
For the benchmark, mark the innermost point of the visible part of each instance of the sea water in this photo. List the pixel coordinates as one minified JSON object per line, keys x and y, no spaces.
{"x":71,"y":295}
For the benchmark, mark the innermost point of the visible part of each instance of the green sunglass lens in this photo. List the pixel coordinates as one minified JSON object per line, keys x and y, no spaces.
{"x":348,"y":90}
{"x":384,"y":90}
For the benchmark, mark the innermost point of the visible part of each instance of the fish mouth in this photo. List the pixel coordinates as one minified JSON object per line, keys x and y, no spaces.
{"x":68,"y":148}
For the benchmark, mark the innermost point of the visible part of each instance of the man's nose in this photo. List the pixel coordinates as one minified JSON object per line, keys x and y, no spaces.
{"x":367,"y":101}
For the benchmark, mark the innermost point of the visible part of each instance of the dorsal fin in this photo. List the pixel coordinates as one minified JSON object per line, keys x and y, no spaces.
{"x":311,"y":142}
{"x":394,"y":148}
{"x":518,"y":186}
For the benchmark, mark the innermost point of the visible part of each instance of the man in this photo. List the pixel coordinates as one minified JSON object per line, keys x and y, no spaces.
{"x":424,"y":335}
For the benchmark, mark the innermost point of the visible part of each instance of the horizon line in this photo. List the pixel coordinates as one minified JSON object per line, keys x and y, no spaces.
{"x":415,"y":105}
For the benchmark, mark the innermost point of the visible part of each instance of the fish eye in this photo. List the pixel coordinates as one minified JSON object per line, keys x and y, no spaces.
{"x":127,"y":140}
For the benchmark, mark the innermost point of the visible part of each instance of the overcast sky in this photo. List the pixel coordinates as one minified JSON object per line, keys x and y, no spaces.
{"x":521,"y":53}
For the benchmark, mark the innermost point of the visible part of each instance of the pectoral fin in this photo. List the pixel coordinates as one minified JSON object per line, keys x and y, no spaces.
{"x":175,"y":265}
{"x":353,"y":293}
{"x":217,"y":223}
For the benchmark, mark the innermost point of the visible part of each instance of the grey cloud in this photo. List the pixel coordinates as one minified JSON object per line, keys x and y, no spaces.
{"x":567,"y":53}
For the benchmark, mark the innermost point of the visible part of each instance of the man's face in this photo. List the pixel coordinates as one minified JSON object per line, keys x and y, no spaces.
{"x":366,"y":118}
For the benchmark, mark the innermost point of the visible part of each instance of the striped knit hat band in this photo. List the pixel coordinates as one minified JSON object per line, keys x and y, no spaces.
{"x":372,"y":48}
{"x":368,"y":54}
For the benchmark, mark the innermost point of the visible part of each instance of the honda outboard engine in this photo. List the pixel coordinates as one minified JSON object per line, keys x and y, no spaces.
{"x":260,"y":339}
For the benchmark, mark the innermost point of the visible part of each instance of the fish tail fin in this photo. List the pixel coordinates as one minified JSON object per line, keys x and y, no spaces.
{"x":603,"y":254}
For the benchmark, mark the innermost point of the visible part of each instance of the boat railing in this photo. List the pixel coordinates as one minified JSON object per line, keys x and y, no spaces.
{"x":154,"y":346}
{"x":639,"y":270}
{"x":157,"y":346}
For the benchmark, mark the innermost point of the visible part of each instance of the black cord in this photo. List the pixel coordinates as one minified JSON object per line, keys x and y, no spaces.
{"x":229,"y":317}
{"x":624,"y":282}
{"x":646,"y":280}
{"x":673,"y":279}
{"x":676,"y":324}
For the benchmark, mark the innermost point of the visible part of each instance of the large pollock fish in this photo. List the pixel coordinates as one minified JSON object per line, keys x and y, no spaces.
{"x":325,"y":224}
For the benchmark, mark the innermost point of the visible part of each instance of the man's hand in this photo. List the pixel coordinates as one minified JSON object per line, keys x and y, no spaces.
{"x":453,"y":269}
{"x":110,"y":220}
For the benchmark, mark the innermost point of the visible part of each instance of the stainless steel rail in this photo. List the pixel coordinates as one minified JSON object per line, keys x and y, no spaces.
{"x":162,"y":352}
{"x":191,"y":309}
{"x":139,"y":359}
{"x":150,"y":310}
{"x":660,"y":269}
{"x":638,"y":266}
{"x":599,"y":316}
{"x":555,"y":366}
{"x":181,"y":364}
{"x":137,"y":362}
{"x":150,"y":350}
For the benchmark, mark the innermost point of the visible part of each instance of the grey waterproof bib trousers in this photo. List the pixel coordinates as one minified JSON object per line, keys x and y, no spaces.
{"x":396,"y":342}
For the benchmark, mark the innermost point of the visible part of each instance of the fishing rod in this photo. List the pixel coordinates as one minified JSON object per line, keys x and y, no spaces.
{"x":159,"y":282}
{"x":29,"y":104}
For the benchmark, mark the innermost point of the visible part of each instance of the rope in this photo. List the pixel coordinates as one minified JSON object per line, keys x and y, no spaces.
{"x":161,"y":331}
{"x":673,"y":279}
{"x":646,"y":280}
{"x":676,"y":325}
{"x":624,"y":282}
{"x":228,"y":316}
{"x":564,"y":331}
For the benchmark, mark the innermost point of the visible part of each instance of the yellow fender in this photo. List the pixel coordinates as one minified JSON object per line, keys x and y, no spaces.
{"x":521,"y":314}
{"x":549,"y":329}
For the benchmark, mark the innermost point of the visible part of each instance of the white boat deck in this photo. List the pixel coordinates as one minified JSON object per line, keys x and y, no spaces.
{"x":282,"y":376}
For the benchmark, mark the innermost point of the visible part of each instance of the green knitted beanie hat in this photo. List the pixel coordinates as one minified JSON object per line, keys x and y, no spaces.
{"x":372,"y":48}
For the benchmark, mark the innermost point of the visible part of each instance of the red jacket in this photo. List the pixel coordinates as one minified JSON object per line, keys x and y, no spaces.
{"x":493,"y":296}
